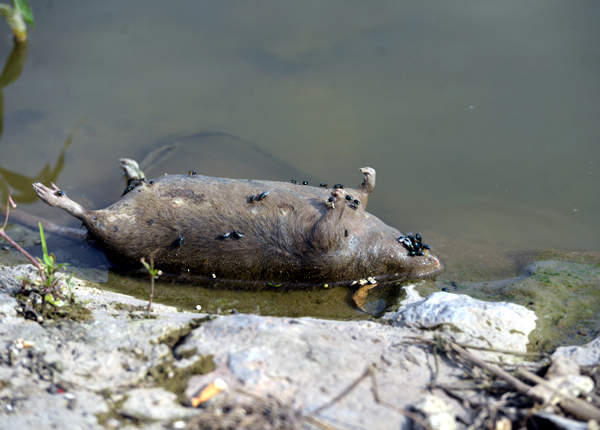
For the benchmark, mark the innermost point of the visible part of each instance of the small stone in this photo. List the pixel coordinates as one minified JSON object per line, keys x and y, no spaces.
{"x":112,"y":423}
{"x":438,"y":413}
{"x":117,"y":397}
{"x":154,"y":404}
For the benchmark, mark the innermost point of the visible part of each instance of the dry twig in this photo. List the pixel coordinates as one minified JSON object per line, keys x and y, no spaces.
{"x":578,"y":407}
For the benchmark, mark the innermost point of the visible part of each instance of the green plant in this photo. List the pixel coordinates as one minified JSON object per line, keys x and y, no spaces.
{"x":154,"y":274}
{"x":51,"y":275}
{"x":17,"y":17}
{"x":49,"y":283}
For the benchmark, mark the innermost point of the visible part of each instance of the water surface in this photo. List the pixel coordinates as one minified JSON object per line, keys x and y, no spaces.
{"x":480,"y":117}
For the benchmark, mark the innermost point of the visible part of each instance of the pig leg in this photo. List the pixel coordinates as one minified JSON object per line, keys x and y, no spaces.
{"x":58,"y":199}
{"x":366,"y":188}
{"x":328,"y":232}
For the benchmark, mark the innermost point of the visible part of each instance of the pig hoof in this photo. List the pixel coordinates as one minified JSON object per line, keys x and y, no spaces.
{"x":56,"y":198}
{"x":368,"y":183}
{"x":132,"y":170}
{"x":47,"y":195}
{"x":338,"y":194}
{"x":368,"y":172}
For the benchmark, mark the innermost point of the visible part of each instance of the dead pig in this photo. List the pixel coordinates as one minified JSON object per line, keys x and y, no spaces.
{"x":247,"y":231}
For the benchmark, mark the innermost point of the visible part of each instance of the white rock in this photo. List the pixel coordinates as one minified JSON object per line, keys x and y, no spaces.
{"x":412,"y":296}
{"x":497,"y":325}
{"x":587,"y":355}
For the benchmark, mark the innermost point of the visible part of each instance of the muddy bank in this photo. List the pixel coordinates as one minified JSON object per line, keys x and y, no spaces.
{"x":119,"y":369}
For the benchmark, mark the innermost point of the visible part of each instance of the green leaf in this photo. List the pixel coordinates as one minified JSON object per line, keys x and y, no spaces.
{"x":22,"y":6}
{"x":55,"y":302}
{"x":48,"y":260}
{"x":44,"y":247}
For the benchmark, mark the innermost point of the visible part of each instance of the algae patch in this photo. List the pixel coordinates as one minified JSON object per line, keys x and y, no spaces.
{"x":173,"y":376}
{"x":173,"y":373}
{"x":565,"y":296}
{"x":32,"y":306}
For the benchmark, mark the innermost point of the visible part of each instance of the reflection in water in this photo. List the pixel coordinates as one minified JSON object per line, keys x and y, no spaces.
{"x":22,"y":183}
{"x":12,"y":179}
{"x":12,"y":71}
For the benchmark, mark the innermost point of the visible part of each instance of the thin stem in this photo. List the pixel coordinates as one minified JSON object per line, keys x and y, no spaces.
{"x":25,"y":253}
{"x":3,"y":234}
{"x":152,"y":275}
{"x":15,"y":21}
{"x":9,"y":202}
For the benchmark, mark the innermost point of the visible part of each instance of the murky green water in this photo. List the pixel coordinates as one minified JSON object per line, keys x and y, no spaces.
{"x":480,"y":117}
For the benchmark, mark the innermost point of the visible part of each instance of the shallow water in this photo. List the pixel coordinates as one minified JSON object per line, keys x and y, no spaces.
{"x":481,"y":118}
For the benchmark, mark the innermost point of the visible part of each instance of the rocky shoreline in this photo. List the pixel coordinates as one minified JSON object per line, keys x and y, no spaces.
{"x":122,"y":370}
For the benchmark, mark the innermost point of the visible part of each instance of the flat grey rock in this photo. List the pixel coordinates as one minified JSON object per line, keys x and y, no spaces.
{"x":42,"y":410}
{"x":309,"y":362}
{"x":8,"y":276}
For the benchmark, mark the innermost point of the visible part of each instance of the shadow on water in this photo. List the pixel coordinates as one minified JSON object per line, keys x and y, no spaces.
{"x":218,"y":154}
